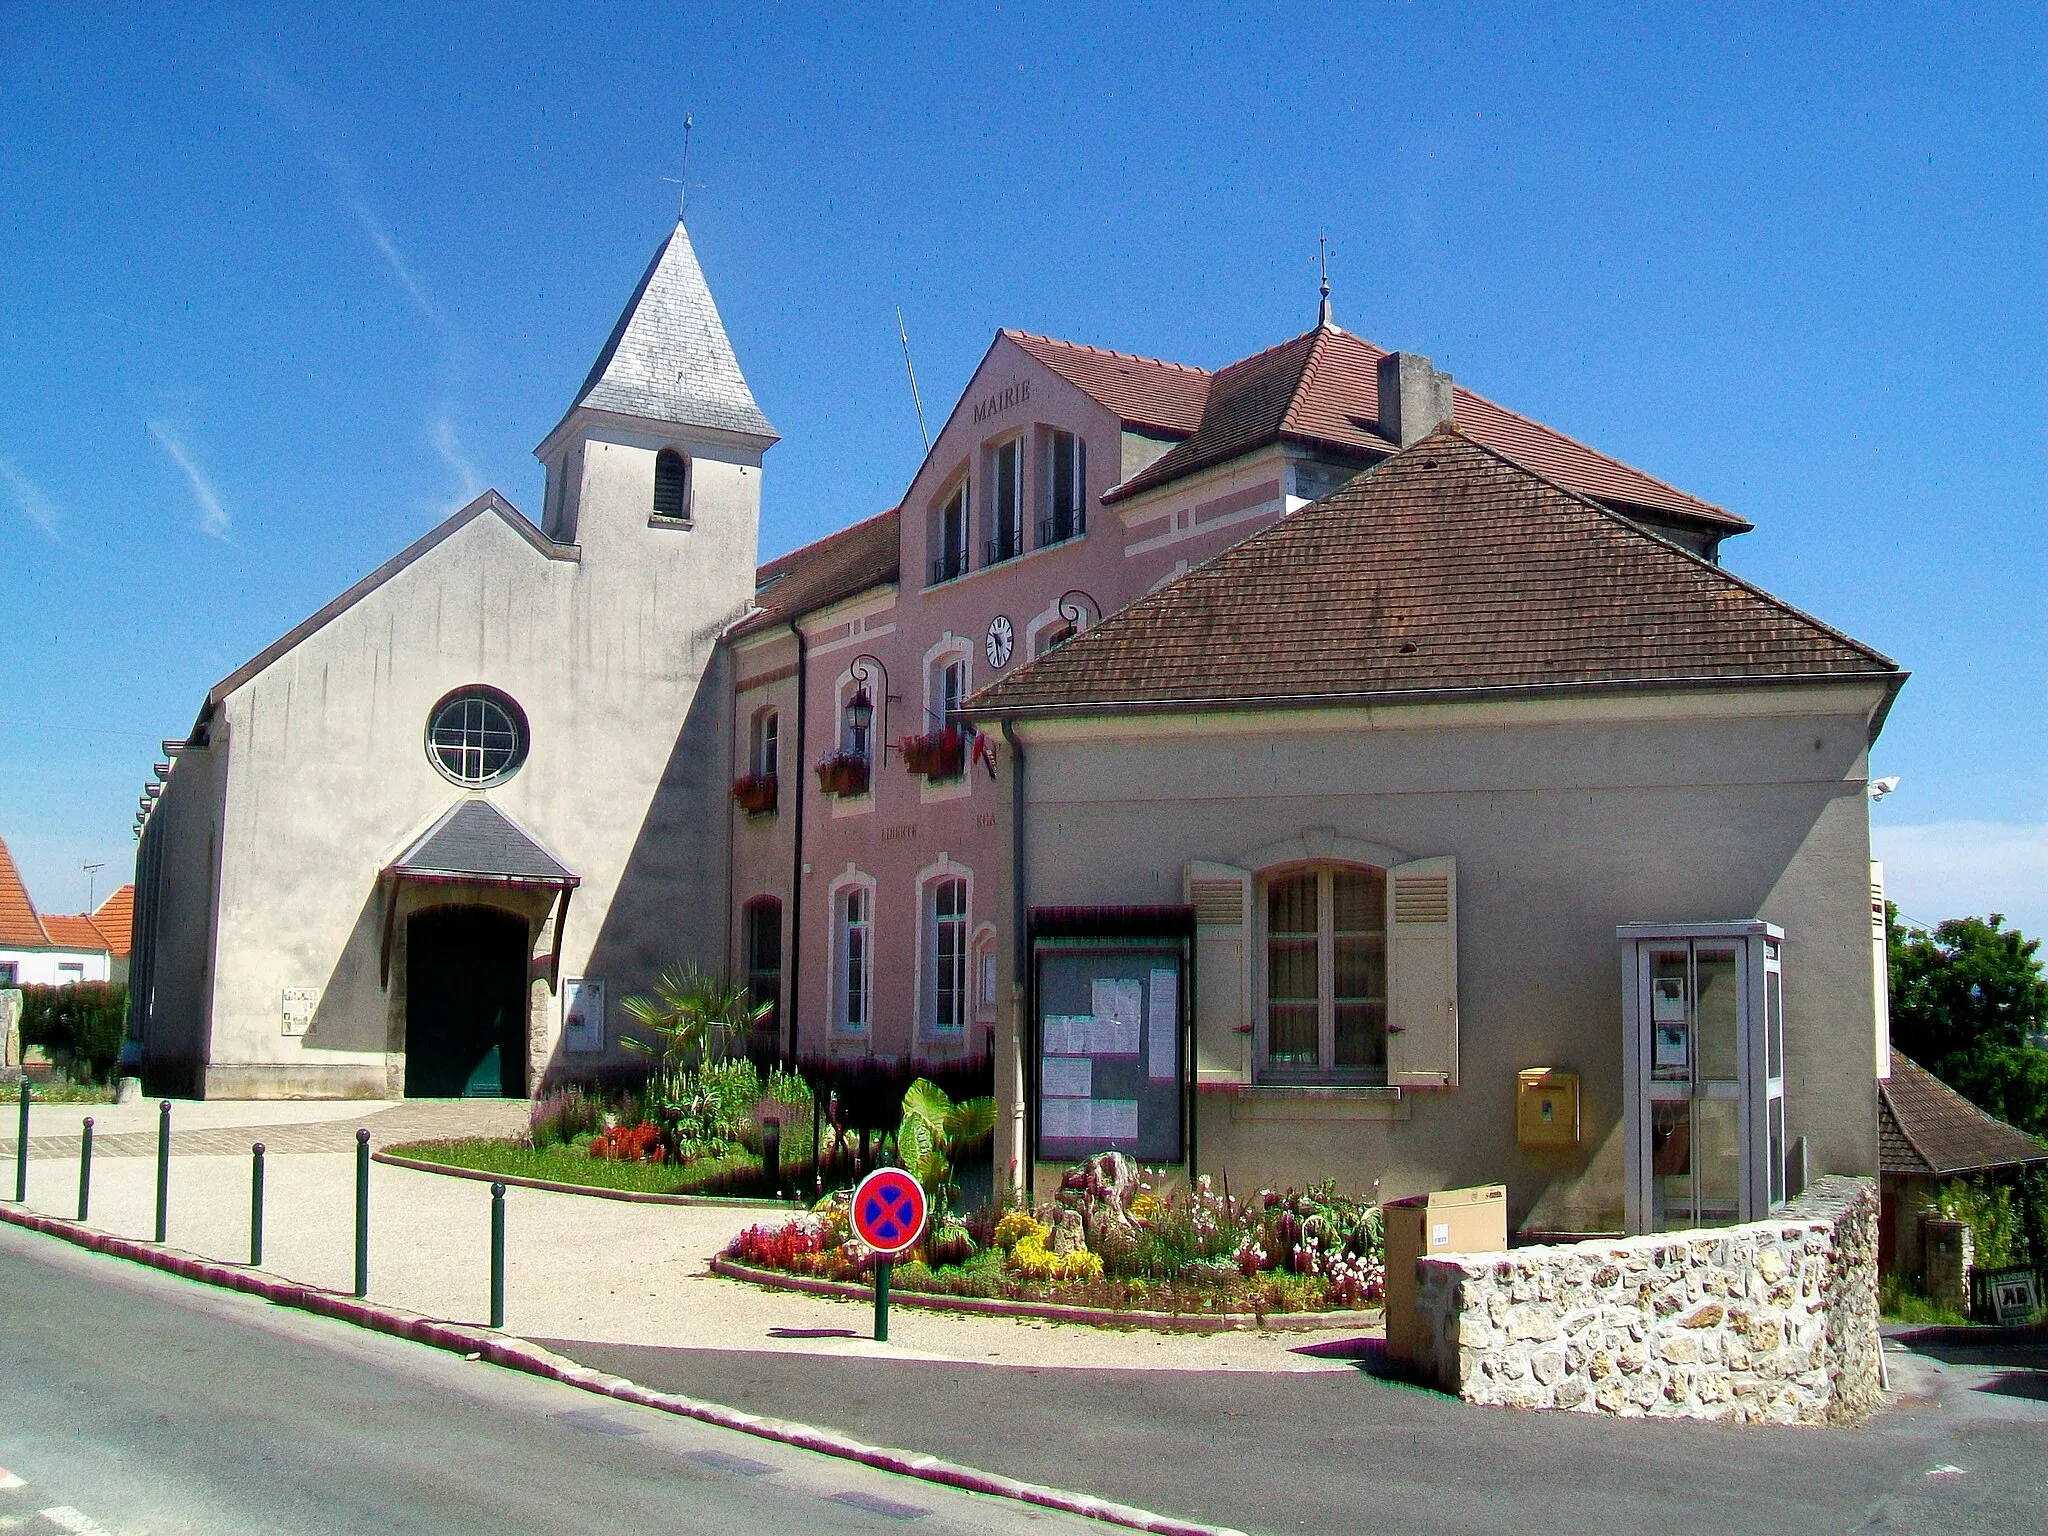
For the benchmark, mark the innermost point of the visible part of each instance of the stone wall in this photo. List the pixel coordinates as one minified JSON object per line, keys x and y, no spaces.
{"x":1773,"y":1321}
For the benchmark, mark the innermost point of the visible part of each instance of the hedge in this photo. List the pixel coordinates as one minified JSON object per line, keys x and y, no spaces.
{"x":86,"y":1019}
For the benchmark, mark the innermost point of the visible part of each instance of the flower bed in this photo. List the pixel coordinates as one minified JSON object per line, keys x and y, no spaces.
{"x":1114,"y":1242}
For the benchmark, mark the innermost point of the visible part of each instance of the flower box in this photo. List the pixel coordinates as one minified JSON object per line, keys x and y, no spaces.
{"x":843,"y":773}
{"x":754,"y":793}
{"x":938,"y":755}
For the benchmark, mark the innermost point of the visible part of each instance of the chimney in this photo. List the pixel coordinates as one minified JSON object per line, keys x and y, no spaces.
{"x":1414,"y":397}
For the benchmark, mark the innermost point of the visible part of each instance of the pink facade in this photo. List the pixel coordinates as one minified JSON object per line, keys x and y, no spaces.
{"x":1008,"y":444}
{"x":1067,"y":482}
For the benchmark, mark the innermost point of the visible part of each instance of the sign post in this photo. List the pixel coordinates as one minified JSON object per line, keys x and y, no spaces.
{"x":888,"y":1215}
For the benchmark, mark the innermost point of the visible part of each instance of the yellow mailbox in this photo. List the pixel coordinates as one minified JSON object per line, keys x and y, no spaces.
{"x":1547,"y":1108}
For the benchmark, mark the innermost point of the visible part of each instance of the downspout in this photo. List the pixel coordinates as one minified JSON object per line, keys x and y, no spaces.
{"x":796,"y":878}
{"x":1020,"y":987}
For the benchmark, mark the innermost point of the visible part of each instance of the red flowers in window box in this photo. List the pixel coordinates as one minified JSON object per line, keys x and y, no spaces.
{"x":843,"y":773}
{"x":941,"y":754}
{"x":755,"y":793}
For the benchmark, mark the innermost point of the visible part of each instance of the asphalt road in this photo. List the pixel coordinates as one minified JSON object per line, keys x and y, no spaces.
{"x":1344,"y":1451}
{"x":135,"y":1402}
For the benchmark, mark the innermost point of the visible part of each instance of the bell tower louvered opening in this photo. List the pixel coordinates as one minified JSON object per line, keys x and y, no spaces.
{"x":671,"y":486}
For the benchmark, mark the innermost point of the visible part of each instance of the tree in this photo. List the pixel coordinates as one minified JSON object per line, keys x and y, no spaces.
{"x":1968,"y":1001}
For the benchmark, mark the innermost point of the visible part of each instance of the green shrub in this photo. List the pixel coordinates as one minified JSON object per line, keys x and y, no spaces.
{"x":1994,"y":1221}
{"x":86,"y":1020}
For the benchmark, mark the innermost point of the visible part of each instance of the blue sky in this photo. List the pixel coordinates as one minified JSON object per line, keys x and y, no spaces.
{"x":278,"y":292}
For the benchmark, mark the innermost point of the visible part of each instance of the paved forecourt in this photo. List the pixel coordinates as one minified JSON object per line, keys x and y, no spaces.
{"x":577,"y":1267}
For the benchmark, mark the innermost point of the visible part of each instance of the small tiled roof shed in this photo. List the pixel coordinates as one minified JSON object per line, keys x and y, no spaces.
{"x":1925,"y":1129}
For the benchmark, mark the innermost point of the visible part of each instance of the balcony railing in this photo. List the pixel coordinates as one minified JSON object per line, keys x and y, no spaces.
{"x":755,"y":793}
{"x":949,"y":565}
{"x":1062,"y":526}
{"x":1007,"y":545}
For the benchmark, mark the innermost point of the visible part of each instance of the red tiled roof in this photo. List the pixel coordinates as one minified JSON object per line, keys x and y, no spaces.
{"x":1448,"y":569}
{"x":115,"y":917}
{"x":20,"y":928}
{"x":1927,"y":1129}
{"x":825,"y":571}
{"x":1323,"y":387}
{"x":1142,"y":391}
{"x":73,"y":931}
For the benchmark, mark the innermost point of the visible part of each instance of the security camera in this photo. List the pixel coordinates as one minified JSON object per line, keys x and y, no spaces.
{"x":1879,"y":788}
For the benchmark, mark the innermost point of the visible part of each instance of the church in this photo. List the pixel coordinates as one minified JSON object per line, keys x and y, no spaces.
{"x":1308,"y":767}
{"x":418,"y":845}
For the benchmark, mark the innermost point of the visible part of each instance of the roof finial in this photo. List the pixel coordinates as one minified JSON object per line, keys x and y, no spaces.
{"x":683,"y":188}
{"x":1323,"y":320}
{"x":682,"y":182}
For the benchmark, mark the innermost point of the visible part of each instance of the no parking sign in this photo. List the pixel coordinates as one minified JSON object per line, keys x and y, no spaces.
{"x":888,"y":1211}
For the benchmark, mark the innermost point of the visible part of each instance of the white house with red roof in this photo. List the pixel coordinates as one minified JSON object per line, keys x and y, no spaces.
{"x":57,"y":949}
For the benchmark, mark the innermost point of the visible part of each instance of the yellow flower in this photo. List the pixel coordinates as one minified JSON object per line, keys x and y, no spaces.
{"x":1016,"y":1225}
{"x":1145,"y":1207}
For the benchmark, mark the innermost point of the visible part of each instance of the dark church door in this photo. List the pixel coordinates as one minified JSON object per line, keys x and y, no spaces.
{"x":465,"y":1004}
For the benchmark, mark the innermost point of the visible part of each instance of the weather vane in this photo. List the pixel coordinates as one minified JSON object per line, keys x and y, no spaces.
{"x":682,"y":182}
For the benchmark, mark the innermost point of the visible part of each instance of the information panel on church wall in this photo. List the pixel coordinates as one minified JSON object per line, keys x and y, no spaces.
{"x":1110,"y":1050}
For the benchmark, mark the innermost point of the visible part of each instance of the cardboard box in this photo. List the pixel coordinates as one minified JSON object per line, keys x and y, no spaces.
{"x":1424,"y":1226}
{"x":1547,"y":1107}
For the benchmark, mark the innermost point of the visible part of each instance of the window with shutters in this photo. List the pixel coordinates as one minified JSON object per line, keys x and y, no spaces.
{"x":1323,"y":1003}
{"x":671,"y":486}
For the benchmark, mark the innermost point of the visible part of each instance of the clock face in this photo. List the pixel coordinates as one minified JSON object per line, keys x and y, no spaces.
{"x":1000,"y":638}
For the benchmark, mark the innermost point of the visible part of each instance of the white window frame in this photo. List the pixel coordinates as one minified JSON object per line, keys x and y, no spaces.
{"x":1075,"y":448}
{"x":1325,"y":1071}
{"x":928,"y":880}
{"x":996,"y":524}
{"x":960,"y":491}
{"x":950,"y":649}
{"x":1051,"y":619}
{"x":843,"y":959}
{"x":764,"y":745}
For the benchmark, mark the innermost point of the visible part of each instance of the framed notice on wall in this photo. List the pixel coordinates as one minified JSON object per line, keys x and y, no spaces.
{"x":582,"y":1014}
{"x":1108,"y":1063}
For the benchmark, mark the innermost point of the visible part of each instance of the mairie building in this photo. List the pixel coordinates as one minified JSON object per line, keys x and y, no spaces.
{"x":1304,"y":768}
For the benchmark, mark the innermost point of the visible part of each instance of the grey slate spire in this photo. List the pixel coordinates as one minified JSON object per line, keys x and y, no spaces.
{"x":668,"y":359}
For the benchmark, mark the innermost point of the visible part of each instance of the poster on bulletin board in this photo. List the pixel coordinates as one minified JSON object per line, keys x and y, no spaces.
{"x":1109,"y":1052}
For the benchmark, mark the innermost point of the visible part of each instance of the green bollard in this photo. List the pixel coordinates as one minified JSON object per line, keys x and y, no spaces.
{"x":882,"y":1303}
{"x":163,"y":1171}
{"x":498,"y":1256}
{"x":85,"y":1168}
{"x":256,"y":1206}
{"x":362,"y":1213}
{"x":21,"y":1151}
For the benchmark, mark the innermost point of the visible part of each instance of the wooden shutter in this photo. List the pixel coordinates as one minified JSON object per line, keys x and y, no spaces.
{"x":1422,"y":974}
{"x":1221,"y":895}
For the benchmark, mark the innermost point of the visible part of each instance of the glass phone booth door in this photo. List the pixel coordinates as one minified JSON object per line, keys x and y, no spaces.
{"x":1705,"y":1116}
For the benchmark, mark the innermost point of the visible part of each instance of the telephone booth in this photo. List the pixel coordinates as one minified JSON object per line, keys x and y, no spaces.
{"x":1704,"y":1056}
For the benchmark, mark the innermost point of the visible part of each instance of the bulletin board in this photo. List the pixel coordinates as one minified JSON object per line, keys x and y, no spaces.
{"x":1112,"y":1030}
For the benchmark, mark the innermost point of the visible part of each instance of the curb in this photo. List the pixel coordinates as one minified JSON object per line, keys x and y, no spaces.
{"x":517,"y":1354}
{"x":1051,"y":1311}
{"x":634,"y":1196}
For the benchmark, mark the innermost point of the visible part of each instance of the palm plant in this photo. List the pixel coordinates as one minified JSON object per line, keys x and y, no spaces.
{"x":934,"y":1133}
{"x":692,"y":1015}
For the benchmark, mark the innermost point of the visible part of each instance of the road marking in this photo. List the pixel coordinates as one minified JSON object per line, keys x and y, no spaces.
{"x":1946,"y":1469}
{"x":76,"y":1521}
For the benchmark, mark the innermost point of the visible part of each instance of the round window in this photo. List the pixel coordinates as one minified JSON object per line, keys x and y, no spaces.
{"x":477,"y":736}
